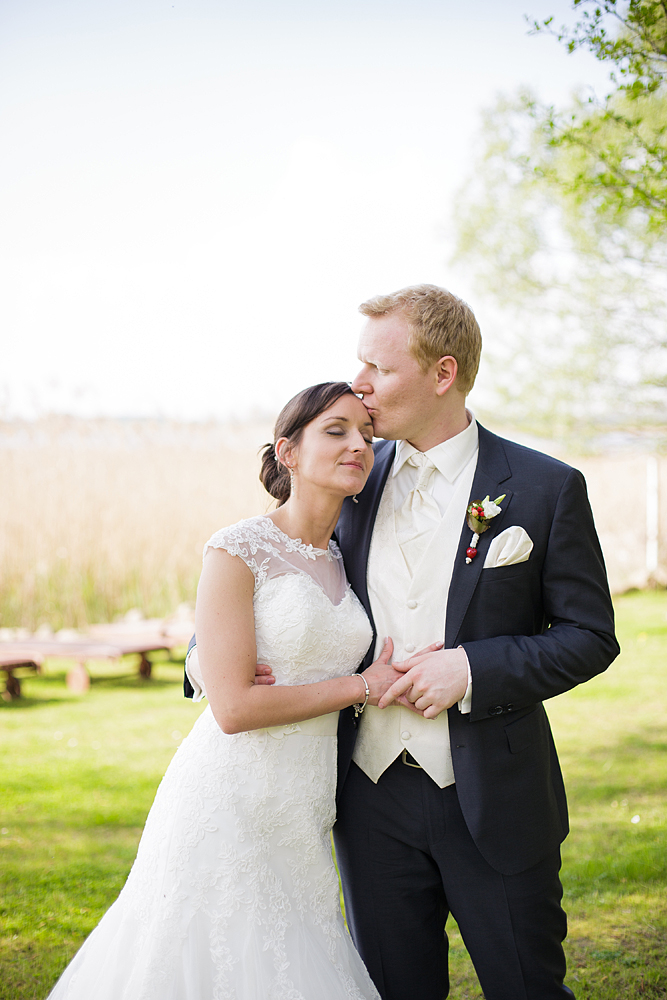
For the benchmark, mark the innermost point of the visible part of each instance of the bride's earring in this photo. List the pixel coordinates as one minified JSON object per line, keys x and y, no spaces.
{"x":291,"y":478}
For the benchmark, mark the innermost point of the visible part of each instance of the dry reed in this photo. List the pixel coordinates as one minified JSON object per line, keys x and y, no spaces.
{"x":97,"y":517}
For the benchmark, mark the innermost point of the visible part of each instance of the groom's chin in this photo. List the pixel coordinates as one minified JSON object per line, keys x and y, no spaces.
{"x":382,"y":432}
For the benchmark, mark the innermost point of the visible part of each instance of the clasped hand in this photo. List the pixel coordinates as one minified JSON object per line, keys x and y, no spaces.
{"x":428,"y":683}
{"x":431,"y":681}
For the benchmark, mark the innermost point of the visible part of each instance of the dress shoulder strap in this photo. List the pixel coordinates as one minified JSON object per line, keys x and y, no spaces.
{"x":252,"y":540}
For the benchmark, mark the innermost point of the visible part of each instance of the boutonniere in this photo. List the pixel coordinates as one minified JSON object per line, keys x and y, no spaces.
{"x":478,"y":518}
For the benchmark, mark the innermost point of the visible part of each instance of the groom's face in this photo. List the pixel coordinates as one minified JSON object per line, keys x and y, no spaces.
{"x":399,"y":395}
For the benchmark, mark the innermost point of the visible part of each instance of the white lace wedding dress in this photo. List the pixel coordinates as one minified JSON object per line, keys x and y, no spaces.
{"x":233,"y":894}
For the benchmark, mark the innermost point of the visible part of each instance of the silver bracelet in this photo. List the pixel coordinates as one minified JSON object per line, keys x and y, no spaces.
{"x":358,"y":708}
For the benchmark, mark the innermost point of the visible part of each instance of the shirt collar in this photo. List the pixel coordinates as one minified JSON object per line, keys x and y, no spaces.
{"x":450,"y":457}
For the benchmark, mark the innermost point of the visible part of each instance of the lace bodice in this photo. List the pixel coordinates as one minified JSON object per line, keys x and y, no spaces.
{"x":309,"y":624}
{"x":269,"y":552}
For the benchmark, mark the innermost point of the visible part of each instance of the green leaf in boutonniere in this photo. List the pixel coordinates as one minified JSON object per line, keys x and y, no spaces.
{"x":479,"y":515}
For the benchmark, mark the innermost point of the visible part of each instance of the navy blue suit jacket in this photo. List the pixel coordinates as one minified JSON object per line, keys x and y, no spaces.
{"x":531,"y":631}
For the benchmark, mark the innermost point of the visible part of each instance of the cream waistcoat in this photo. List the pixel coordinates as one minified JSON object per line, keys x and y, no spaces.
{"x":412,"y":610}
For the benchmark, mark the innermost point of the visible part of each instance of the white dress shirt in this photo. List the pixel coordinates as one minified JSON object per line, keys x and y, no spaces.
{"x":450,"y":459}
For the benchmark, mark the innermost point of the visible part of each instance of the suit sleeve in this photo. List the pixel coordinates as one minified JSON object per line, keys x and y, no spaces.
{"x":512,"y":672}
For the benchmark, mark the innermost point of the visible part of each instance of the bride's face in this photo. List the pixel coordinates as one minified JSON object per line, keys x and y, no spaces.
{"x":335,"y":450}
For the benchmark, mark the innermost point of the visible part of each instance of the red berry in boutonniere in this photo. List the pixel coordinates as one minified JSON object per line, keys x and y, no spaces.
{"x":478,"y":519}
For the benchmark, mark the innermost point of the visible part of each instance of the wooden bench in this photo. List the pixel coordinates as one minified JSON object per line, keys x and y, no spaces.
{"x":9,"y":663}
{"x":105,"y":643}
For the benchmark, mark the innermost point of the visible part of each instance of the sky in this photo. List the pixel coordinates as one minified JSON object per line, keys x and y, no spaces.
{"x":196,"y":196}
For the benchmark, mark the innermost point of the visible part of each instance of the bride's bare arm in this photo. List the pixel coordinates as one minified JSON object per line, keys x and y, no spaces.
{"x":225,"y":627}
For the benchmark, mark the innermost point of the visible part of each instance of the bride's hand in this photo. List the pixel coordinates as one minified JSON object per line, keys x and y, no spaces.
{"x":399,"y":670}
{"x":382,"y":674}
{"x":432,"y":681}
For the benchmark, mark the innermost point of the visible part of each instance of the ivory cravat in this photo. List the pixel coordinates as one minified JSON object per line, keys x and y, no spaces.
{"x":419,"y":515}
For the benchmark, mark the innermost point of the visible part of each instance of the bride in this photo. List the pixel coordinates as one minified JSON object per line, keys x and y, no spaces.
{"x":233,"y":894}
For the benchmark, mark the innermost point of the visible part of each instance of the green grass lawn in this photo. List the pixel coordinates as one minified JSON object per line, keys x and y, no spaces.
{"x":79,"y":775}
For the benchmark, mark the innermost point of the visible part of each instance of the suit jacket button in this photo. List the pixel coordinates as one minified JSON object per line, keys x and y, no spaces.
{"x":509,"y":708}
{"x":496,"y":710}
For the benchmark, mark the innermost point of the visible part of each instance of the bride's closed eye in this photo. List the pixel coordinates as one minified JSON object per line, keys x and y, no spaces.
{"x":340,"y":433}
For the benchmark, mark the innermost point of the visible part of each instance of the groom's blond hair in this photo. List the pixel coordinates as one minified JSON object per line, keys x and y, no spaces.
{"x":440,"y":324}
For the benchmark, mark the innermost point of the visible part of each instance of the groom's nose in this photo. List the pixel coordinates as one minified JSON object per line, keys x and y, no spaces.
{"x":360,"y":383}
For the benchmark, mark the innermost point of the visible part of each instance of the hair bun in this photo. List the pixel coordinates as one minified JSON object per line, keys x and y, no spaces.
{"x":273,"y":476}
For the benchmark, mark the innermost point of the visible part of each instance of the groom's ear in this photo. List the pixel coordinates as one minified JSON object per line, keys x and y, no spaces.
{"x":446,"y":370}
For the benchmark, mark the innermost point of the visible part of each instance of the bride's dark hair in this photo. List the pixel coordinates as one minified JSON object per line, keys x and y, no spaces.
{"x":292,"y":419}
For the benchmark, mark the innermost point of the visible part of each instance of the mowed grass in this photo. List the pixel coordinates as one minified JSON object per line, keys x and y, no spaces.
{"x":79,"y":775}
{"x":78,"y":778}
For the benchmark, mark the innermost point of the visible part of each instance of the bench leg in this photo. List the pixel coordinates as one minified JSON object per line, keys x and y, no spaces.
{"x":145,"y":667}
{"x":12,"y":687}
{"x":78,"y":679}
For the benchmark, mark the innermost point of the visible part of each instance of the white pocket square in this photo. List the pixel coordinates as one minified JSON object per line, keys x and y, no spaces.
{"x":511,"y":546}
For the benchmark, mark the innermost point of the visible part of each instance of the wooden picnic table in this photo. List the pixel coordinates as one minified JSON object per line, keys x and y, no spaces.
{"x":106,"y":642}
{"x":9,"y":662}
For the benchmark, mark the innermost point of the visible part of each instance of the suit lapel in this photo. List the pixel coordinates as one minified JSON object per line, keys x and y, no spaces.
{"x":355,"y":527}
{"x":492,"y":471}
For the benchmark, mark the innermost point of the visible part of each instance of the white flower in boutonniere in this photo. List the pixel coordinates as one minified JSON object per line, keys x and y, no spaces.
{"x":478,"y":519}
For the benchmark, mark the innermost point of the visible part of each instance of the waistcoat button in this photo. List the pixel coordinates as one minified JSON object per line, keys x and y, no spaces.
{"x":412,"y":605}
{"x":405,"y":735}
{"x":410,"y":647}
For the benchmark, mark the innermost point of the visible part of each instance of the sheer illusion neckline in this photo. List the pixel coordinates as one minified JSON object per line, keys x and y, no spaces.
{"x":298,"y":545}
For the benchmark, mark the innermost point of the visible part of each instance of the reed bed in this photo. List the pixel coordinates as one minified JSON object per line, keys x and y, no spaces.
{"x":101,"y":516}
{"x":98,"y":517}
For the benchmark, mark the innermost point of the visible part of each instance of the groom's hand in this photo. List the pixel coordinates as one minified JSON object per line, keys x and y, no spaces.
{"x":264,"y":674}
{"x":382,"y":676}
{"x":431,"y":682}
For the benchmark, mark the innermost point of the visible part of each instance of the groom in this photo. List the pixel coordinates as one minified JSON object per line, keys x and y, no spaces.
{"x":450,"y":794}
